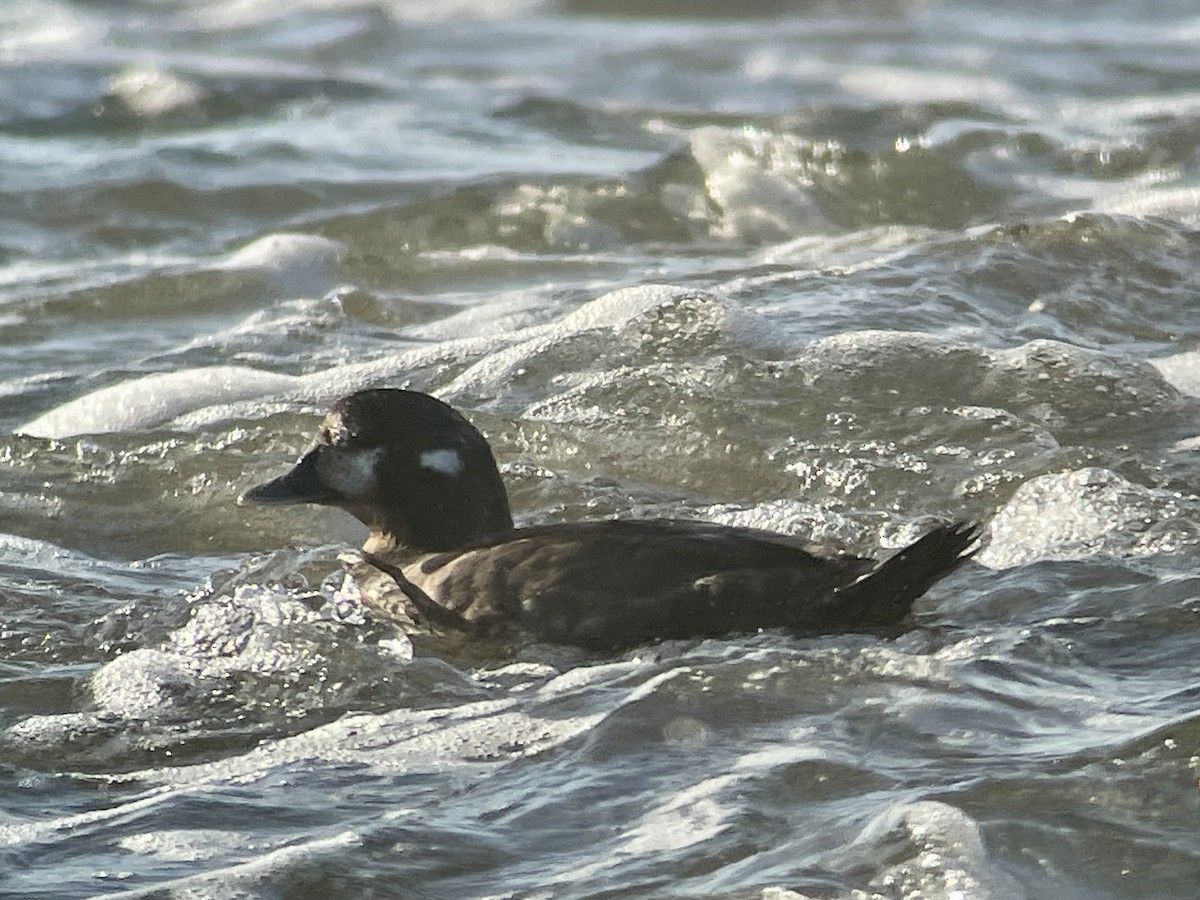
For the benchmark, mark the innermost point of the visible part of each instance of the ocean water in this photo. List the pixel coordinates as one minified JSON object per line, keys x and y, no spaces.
{"x":840,"y":270}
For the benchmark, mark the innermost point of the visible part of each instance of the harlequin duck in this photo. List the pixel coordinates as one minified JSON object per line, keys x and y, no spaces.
{"x":425,"y":482}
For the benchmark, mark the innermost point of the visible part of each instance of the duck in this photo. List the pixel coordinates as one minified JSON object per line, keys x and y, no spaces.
{"x":425,"y":482}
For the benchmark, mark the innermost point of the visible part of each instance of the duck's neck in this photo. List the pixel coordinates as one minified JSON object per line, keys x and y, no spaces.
{"x":438,"y":535}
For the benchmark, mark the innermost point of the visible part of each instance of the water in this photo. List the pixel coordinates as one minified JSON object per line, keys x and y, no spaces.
{"x":838,"y":270}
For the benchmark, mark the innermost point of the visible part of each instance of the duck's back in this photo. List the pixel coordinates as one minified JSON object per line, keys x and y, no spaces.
{"x":612,"y":584}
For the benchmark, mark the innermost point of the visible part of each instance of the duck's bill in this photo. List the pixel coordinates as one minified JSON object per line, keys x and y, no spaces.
{"x":301,"y":485}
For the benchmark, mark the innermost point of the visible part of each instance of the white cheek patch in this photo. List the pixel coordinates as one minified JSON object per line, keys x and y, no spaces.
{"x":350,"y":472}
{"x":444,"y":461}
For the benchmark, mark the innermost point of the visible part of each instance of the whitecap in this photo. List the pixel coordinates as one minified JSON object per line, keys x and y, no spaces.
{"x":200,"y":395}
{"x":150,"y":92}
{"x":1083,"y":513}
{"x":154,"y":400}
{"x":936,"y":850}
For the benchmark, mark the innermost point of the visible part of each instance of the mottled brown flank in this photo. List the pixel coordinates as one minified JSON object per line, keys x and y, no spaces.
{"x":613,"y":584}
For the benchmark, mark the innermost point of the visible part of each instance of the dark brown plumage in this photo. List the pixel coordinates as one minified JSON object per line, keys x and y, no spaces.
{"x":424,"y":480}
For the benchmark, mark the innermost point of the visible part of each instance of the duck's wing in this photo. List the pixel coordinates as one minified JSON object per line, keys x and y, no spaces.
{"x":419,"y":608}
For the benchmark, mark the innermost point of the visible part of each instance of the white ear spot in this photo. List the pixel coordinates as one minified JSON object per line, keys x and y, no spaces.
{"x":444,"y":461}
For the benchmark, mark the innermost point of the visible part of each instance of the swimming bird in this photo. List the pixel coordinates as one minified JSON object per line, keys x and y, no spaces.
{"x":425,"y":483}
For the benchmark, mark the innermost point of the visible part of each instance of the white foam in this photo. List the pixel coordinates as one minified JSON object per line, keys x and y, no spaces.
{"x":155,"y":400}
{"x":609,"y":312}
{"x":903,"y":85}
{"x":755,"y":177}
{"x":1080,"y":514}
{"x":934,"y":849}
{"x":295,"y":265}
{"x":1181,"y":371}
{"x":149,"y":92}
{"x":285,"y":250}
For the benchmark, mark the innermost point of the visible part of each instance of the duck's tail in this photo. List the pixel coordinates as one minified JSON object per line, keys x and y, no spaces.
{"x":886,"y":593}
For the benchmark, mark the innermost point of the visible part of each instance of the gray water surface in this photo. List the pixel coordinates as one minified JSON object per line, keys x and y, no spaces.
{"x":839,"y":270}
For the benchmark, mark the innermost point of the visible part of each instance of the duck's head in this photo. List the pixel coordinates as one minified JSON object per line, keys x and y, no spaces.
{"x":406,"y":465}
